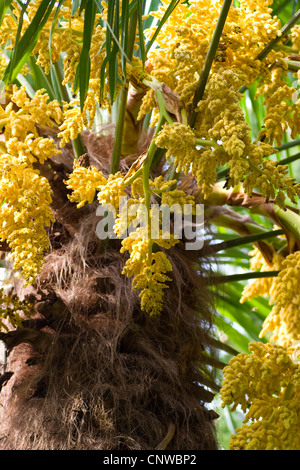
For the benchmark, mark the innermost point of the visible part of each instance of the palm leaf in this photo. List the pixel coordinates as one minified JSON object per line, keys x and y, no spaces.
{"x":84,"y":65}
{"x":26,"y":44}
{"x":4,"y":5}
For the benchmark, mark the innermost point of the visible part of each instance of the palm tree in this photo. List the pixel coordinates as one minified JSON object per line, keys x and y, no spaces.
{"x":120,"y":342}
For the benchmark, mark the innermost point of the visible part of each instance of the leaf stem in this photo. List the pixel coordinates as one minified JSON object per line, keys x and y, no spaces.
{"x":162,"y":109}
{"x":241,"y":277}
{"x":284,"y":30}
{"x":117,"y":147}
{"x":244,"y":240}
{"x":293,"y":64}
{"x":292,"y":158}
{"x":133,"y":177}
{"x":59,"y":79}
{"x":288,"y":145}
{"x":288,"y":391}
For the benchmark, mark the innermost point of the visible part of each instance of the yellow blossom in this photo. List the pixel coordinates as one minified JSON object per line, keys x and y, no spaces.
{"x":13,"y":310}
{"x":40,"y":108}
{"x":295,"y":38}
{"x":84,"y":183}
{"x":262,"y":286}
{"x":148,"y":268}
{"x":284,"y":319}
{"x":113,"y":190}
{"x":33,"y":148}
{"x":25,"y":214}
{"x":266,"y":384}
{"x":281,"y":115}
{"x":73,"y":123}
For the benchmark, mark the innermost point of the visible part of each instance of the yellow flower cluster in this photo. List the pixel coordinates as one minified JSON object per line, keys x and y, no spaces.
{"x":32,"y":148}
{"x":40,"y":108}
{"x":281,"y":114}
{"x":75,"y":120}
{"x":171,"y":197}
{"x":113,"y":190}
{"x":266,"y":384}
{"x":275,"y":428}
{"x":24,"y":214}
{"x":8,"y":32}
{"x":84,"y":183}
{"x":39,"y":111}
{"x":295,"y":38}
{"x":148,"y":268}
{"x":62,"y":35}
{"x":284,"y":319}
{"x":180,"y":142}
{"x":73,"y":123}
{"x":222,"y":122}
{"x":72,"y":50}
{"x":25,"y":196}
{"x":178,"y":62}
{"x":3,"y":62}
{"x":273,"y":182}
{"x":262,"y":286}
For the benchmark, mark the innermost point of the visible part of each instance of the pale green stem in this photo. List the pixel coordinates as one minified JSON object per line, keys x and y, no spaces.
{"x":289,"y":219}
{"x":293,"y":64}
{"x":184,"y":116}
{"x":208,"y":143}
{"x":162,"y":109}
{"x":121,"y":112}
{"x":116,"y":153}
{"x":59,"y":79}
{"x":281,"y":47}
{"x":133,"y":177}
{"x":288,"y":145}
